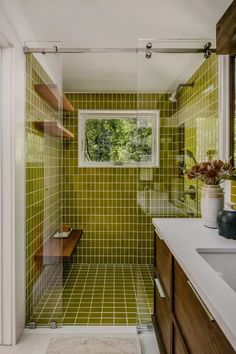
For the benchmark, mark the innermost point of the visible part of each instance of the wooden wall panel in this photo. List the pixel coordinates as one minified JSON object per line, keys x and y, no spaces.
{"x":226,"y":32}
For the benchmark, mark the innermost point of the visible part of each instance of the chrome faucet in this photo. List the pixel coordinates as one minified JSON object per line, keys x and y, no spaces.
{"x":190,"y":213}
{"x":147,"y":189}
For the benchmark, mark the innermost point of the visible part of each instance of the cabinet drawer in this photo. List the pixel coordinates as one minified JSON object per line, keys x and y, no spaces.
{"x":162,"y":314}
{"x":163,"y":263}
{"x":200,"y":332}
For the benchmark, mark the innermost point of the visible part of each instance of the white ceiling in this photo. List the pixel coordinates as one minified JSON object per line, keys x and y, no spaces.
{"x":120,"y":23}
{"x":127,"y":72}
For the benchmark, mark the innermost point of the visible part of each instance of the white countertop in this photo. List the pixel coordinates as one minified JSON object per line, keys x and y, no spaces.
{"x":183,"y":237}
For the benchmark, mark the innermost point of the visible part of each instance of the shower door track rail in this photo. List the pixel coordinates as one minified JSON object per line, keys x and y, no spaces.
{"x":56,"y":50}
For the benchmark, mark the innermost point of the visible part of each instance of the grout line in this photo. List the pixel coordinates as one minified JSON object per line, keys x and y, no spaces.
{"x":84,"y":287}
{"x":103,"y":295}
{"x":92,"y":295}
{"x":64,"y":286}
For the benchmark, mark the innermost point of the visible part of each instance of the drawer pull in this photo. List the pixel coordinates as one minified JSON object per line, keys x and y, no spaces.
{"x":211,"y":318}
{"x":159,"y":288}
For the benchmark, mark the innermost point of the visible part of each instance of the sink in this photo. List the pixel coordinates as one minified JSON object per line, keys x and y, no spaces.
{"x":223,"y":261}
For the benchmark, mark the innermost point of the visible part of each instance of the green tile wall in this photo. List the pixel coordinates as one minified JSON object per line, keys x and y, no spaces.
{"x":43,"y":182}
{"x":197,"y":108}
{"x":103,"y":201}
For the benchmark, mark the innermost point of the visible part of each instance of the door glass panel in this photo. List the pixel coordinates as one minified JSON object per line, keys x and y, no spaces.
{"x":233,"y":111}
{"x":101,"y":198}
{"x":43,"y":155}
{"x":183,"y":88}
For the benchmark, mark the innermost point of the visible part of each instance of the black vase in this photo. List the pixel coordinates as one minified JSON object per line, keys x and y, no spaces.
{"x":226,"y":221}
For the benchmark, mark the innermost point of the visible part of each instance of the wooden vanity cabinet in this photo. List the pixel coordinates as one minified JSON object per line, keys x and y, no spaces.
{"x":199,"y":330}
{"x":162,"y":315}
{"x":163,"y":264}
{"x":162,"y":293}
{"x":182,"y":322}
{"x":178,"y":343}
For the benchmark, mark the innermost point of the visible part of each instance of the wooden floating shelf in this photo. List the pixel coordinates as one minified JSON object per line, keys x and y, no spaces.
{"x":54,"y":128}
{"x":57,"y":250}
{"x":51,"y":94}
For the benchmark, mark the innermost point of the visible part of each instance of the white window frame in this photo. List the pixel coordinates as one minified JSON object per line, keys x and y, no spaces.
{"x":84,"y":115}
{"x":224,"y":115}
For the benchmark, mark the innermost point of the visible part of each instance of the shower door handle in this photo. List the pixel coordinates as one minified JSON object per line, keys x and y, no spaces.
{"x":159,"y":288}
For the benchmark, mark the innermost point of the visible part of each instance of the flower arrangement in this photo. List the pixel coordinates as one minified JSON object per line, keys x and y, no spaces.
{"x":211,"y":172}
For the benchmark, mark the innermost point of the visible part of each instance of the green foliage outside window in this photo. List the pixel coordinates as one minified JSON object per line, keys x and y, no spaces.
{"x":118,"y":140}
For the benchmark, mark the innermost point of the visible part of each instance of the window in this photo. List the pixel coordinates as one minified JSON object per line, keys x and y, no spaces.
{"x":118,"y":138}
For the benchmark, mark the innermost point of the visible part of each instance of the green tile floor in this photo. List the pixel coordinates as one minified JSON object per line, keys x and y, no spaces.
{"x":97,"y":295}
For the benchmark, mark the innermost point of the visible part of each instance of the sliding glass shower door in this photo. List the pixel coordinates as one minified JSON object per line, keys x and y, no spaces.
{"x":115,"y":160}
{"x":43,"y":155}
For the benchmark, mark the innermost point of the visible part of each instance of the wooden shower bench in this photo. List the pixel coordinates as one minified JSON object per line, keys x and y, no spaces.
{"x":56,"y":250}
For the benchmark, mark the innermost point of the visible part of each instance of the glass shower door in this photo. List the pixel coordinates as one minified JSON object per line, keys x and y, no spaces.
{"x":43,"y":155}
{"x":181,"y":86}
